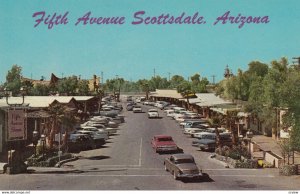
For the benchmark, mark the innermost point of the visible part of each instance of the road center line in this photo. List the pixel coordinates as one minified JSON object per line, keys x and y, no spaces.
{"x":140,"y":159}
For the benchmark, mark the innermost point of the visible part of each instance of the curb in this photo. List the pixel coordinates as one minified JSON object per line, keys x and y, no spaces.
{"x":225,"y":164}
{"x":65,"y":161}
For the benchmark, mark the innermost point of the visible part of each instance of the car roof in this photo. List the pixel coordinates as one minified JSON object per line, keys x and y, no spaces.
{"x":152,"y":109}
{"x":182,"y":156}
{"x":162,"y":136}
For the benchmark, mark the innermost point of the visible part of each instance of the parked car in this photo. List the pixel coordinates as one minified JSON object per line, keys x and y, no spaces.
{"x":153,"y":113}
{"x":192,"y":131}
{"x":164,"y":143}
{"x":108,"y":129}
{"x":129,"y":107}
{"x":137,"y":109}
{"x":99,"y":139}
{"x":189,"y":122}
{"x":170,"y":113}
{"x":99,"y":132}
{"x":79,"y":142}
{"x":203,"y":135}
{"x":182,"y":166}
{"x":210,"y":144}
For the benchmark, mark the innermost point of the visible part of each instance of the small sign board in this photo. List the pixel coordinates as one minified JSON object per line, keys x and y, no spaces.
{"x":16,"y":124}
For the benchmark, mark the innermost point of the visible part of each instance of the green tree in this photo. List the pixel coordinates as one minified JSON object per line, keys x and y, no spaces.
{"x":256,"y":68}
{"x":57,"y":112}
{"x":175,"y":81}
{"x":68,"y":85}
{"x":216,"y":122}
{"x":195,"y":79}
{"x":41,"y":90}
{"x":144,"y":85}
{"x":13,"y":79}
{"x":185,"y":89}
{"x":290,"y":98}
{"x":83,"y":87}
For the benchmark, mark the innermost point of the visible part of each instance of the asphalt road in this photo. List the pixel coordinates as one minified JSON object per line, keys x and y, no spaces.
{"x":128,"y":162}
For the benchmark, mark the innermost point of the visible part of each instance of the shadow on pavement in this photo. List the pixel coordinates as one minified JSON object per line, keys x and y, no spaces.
{"x":114,"y":134}
{"x":31,"y":171}
{"x":54,"y":171}
{"x":205,"y":178}
{"x":97,"y":157}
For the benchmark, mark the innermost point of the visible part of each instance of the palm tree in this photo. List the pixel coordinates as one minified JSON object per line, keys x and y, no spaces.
{"x":60,"y":117}
{"x":144,"y":85}
{"x":56,"y":111}
{"x":67,"y":121}
{"x":231,"y":120}
{"x":185,"y":89}
{"x":215,"y":122}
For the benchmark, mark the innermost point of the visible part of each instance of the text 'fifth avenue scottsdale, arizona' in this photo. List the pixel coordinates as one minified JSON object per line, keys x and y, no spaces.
{"x":141,"y":18}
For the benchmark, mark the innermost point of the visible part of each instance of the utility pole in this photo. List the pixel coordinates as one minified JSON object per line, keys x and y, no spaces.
{"x":169,"y":76}
{"x":213,"y":76}
{"x":154,"y":72}
{"x":101,"y":77}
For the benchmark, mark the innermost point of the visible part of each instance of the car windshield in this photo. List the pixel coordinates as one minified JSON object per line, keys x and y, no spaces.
{"x":152,"y":110}
{"x":184,"y":160}
{"x":165,"y":139}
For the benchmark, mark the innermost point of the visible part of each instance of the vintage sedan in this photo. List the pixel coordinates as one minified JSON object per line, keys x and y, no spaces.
{"x":153,"y":113}
{"x":182,"y":166}
{"x":164,"y":143}
{"x":137,"y":109}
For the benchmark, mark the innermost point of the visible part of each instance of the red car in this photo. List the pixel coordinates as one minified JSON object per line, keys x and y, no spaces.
{"x":164,"y":143}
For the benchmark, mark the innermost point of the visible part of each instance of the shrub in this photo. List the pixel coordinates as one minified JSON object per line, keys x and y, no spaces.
{"x":246,"y":164}
{"x":288,"y":170}
{"x":50,"y":162}
{"x":223,"y":151}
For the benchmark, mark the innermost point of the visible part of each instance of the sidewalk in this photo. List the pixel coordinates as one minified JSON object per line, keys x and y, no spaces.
{"x":268,"y":144}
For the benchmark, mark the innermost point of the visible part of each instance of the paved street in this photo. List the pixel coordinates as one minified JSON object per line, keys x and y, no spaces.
{"x":127,"y":162}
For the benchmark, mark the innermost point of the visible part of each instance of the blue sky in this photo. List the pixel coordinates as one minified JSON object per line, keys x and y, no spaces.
{"x":133,"y":51}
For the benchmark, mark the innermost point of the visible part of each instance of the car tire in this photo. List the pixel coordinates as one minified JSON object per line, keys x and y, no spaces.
{"x":175,"y":176}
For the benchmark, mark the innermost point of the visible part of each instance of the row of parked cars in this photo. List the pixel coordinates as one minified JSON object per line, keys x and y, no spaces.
{"x":94,"y":132}
{"x":195,"y":126}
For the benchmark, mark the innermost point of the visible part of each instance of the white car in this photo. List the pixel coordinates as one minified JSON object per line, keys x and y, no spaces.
{"x":100,"y":132}
{"x":109,"y":130}
{"x":192,"y":131}
{"x":137,"y":109}
{"x":203,"y":134}
{"x":153,"y":113}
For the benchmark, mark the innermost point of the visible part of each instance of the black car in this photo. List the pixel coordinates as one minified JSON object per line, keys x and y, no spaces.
{"x":79,"y":142}
{"x":210,"y":143}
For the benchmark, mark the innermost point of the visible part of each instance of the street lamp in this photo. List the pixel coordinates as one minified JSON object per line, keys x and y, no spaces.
{"x":35,"y":138}
{"x":43,"y":139}
{"x":7,"y":94}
